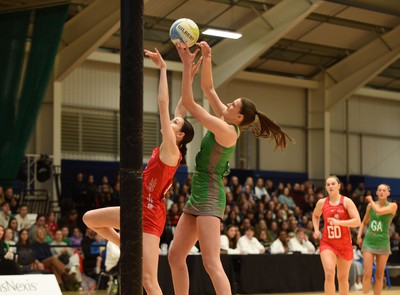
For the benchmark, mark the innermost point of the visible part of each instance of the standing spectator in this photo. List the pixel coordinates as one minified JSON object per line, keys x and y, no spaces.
{"x":78,"y":193}
{"x":5,"y":214}
{"x":22,"y":217}
{"x":376,"y":244}
{"x":300,"y":243}
{"x":336,"y":249}
{"x":105,"y":197}
{"x":71,"y":220}
{"x":248,"y":244}
{"x":2,"y":197}
{"x":229,"y":241}
{"x":280,"y":245}
{"x":91,"y":193}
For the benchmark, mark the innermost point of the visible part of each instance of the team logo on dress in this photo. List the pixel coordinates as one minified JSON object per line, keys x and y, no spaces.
{"x":336,"y":216}
{"x":150,"y":201}
{"x":152,"y":185}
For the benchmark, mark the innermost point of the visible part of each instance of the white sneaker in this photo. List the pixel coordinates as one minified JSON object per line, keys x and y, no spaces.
{"x":358,"y":286}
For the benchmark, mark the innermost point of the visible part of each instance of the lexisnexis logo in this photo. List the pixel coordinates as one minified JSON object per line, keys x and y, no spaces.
{"x":12,"y":286}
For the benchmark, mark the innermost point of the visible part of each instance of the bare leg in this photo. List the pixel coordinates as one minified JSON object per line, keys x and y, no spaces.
{"x":208,"y":229}
{"x":343,"y":269}
{"x":56,"y":266}
{"x":379,"y":273}
{"x":329,"y":260}
{"x":150,"y":264}
{"x":104,"y":221}
{"x":184,"y":239}
{"x":368,"y":261}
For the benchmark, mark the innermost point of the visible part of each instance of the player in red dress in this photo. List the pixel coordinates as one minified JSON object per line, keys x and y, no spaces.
{"x":336,"y":250}
{"x":157,"y":179}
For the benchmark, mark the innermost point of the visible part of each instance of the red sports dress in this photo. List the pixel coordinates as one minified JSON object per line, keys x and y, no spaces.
{"x":157,"y":179}
{"x":335,"y":237}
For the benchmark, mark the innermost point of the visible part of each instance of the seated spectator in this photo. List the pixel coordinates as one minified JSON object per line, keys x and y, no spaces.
{"x":273,"y":230}
{"x":7,"y":264}
{"x":280,"y":245}
{"x":300,"y":243}
{"x":11,"y":199}
{"x":23,"y":218}
{"x":76,"y":238}
{"x":63,"y":252}
{"x":261,"y":225}
{"x":173,"y":215}
{"x":40,"y":222}
{"x":248,"y":244}
{"x":260,"y":192}
{"x":356,"y":271}
{"x":9,"y":239}
{"x":232,"y":219}
{"x":13,"y":224}
{"x":230,"y":239}
{"x":286,"y":198}
{"x":263,"y":239}
{"x":66,"y":254}
{"x":51,"y":224}
{"x":5,"y":214}
{"x":26,"y":256}
{"x":44,"y":255}
{"x":65,"y":233}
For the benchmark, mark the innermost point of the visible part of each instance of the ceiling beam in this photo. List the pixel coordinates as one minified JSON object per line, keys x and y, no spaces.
{"x":232,"y":56}
{"x":384,"y":6}
{"x":355,"y":71}
{"x":84,"y":33}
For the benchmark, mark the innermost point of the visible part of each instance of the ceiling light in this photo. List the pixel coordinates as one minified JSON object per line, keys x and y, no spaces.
{"x":222,"y":34}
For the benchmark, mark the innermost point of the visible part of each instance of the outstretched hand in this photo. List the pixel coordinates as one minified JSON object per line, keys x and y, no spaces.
{"x":186,"y":56}
{"x":205,"y":49}
{"x":156,"y":58}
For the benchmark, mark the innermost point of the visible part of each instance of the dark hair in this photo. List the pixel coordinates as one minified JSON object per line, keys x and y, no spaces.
{"x":264,"y":127}
{"x":187,"y":128}
{"x":232,"y":241}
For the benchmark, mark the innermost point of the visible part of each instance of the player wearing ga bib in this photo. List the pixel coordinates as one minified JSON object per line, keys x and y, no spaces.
{"x":212,"y":164}
{"x":377,"y":237}
{"x":157,"y":179}
{"x":335,"y":237}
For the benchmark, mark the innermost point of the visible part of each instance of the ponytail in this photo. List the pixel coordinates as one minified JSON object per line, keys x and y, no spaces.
{"x":187,"y":128}
{"x":264,"y":127}
{"x":183,"y":150}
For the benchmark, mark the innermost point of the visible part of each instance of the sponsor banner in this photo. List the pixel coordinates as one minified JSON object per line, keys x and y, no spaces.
{"x":39,"y":284}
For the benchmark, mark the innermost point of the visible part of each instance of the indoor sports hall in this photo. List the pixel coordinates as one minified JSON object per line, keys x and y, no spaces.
{"x":93,"y":91}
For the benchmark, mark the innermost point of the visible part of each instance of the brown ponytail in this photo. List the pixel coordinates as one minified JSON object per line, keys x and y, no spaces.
{"x":263,"y":127}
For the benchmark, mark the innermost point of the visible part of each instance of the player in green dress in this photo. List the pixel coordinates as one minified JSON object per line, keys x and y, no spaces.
{"x":206,"y":205}
{"x":376,"y":242}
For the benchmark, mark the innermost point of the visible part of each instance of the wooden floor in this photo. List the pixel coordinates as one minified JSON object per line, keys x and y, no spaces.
{"x":392,"y":291}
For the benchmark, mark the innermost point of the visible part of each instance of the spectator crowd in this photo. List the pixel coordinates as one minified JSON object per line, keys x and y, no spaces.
{"x":261,"y":217}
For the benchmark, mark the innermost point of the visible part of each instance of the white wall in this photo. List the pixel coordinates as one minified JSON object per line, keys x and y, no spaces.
{"x":373,"y":124}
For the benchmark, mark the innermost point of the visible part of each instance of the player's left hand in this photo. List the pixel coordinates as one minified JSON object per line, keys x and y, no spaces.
{"x":333,"y":221}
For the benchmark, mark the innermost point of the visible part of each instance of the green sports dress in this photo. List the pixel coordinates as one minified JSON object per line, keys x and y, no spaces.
{"x":376,"y":239}
{"x":212,"y":164}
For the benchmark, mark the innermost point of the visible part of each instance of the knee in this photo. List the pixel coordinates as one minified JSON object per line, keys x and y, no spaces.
{"x":175,"y":259}
{"x":149,"y":283}
{"x":88,"y":217}
{"x":330,"y":274}
{"x":211,"y":265}
{"x":379,"y":276}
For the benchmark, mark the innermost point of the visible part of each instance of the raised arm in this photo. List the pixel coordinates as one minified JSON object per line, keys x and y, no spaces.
{"x":169,"y":152}
{"x":225,"y":134}
{"x":207,"y":84}
{"x":389,"y":209}
{"x":180,"y":110}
